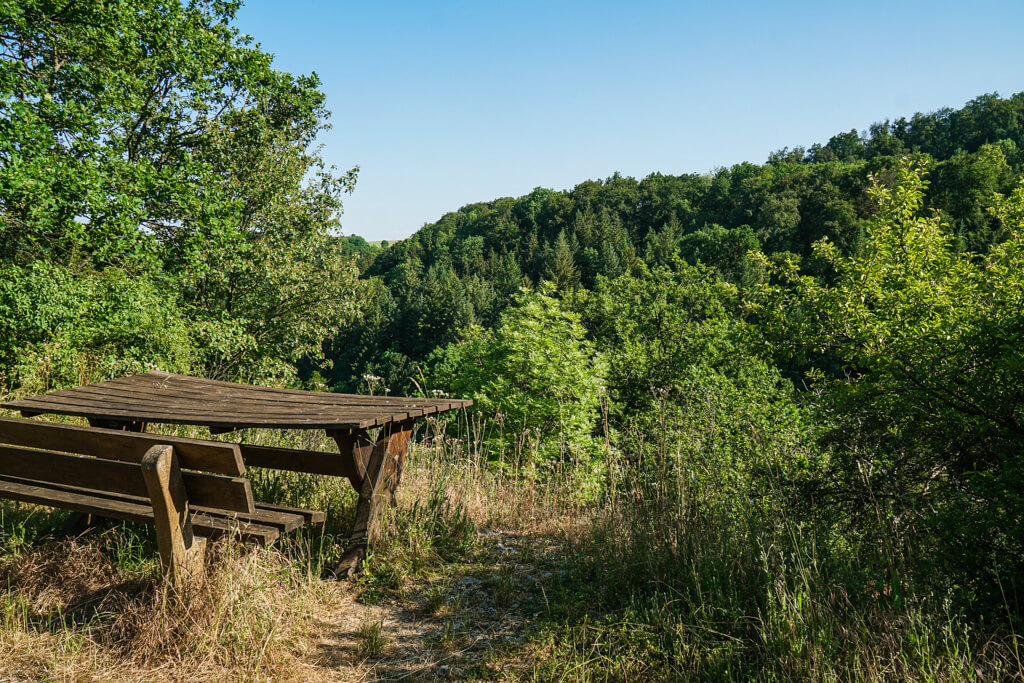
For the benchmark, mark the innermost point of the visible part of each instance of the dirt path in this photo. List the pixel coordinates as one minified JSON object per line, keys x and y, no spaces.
{"x":472,"y":621}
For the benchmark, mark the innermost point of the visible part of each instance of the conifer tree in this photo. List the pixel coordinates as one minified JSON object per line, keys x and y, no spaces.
{"x":560,"y":267}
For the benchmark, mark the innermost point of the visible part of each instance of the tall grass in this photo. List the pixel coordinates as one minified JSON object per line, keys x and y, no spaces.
{"x":70,"y":610}
{"x":671,"y":577}
{"x":669,"y":582}
{"x":676,"y":585}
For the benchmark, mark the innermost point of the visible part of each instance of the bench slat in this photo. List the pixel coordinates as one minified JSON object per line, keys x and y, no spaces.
{"x":106,"y":505}
{"x":310,"y":516}
{"x":113,"y":444}
{"x":282,"y":521}
{"x":228,"y":493}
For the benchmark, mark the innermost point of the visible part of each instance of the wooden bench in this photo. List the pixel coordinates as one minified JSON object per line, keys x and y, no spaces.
{"x":189,"y":489}
{"x":372,"y":433}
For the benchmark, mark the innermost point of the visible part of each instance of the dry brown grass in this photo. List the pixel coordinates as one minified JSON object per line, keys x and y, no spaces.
{"x":493,"y":497}
{"x":69,"y":613}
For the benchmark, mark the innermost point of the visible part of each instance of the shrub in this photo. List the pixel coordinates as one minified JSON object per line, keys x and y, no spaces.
{"x":62,"y":326}
{"x":926,"y":419}
{"x":534,"y":374}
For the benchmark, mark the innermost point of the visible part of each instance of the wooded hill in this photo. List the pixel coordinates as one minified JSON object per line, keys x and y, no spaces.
{"x":464,"y":269}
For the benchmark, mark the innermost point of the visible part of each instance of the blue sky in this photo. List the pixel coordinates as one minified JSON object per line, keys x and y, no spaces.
{"x":446,"y":103}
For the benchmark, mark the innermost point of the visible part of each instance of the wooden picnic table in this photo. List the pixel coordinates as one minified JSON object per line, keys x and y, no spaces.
{"x":371,"y":462}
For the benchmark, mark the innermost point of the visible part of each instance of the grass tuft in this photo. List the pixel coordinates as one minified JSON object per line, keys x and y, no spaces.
{"x":370,"y":638}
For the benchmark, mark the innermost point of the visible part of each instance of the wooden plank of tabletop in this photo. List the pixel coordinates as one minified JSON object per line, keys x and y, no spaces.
{"x":33,"y":408}
{"x":88,"y":396}
{"x":210,"y":406}
{"x":187,"y":392}
{"x":114,"y":388}
{"x":109,"y":409}
{"x":226,"y":386}
{"x":183,"y":383}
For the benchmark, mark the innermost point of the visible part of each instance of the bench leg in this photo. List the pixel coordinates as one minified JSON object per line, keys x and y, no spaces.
{"x":383,"y":472}
{"x":181,"y":553}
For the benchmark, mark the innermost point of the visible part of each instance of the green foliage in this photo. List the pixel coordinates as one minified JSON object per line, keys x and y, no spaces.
{"x":61,"y":327}
{"x":927,"y":423}
{"x":963,"y":188}
{"x":726,"y":250}
{"x":127,"y":114}
{"x":693,"y":401}
{"x":535,"y":375}
{"x":153,"y":138}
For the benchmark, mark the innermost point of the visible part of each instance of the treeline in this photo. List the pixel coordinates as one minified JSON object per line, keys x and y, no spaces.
{"x":421,"y":293}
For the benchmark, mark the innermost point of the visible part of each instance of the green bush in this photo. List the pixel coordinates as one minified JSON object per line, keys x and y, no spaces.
{"x":694,"y":405}
{"x":925,"y":422}
{"x":61,"y":326}
{"x":535,"y":376}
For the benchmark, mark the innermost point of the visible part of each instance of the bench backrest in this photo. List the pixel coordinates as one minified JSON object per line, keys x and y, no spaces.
{"x":114,"y":444}
{"x":28,"y":450}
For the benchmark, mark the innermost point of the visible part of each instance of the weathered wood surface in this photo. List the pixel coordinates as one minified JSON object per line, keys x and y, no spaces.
{"x":383,"y":473}
{"x":179,"y":399}
{"x":292,"y":460}
{"x":228,"y":493}
{"x":308,"y":516}
{"x":181,"y":552}
{"x":112,"y":444}
{"x":131,"y":508}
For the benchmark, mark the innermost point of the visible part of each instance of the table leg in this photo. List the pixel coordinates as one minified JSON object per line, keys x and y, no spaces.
{"x":383,"y":473}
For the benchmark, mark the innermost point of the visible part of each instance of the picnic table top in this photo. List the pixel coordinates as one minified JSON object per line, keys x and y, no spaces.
{"x":162,"y":397}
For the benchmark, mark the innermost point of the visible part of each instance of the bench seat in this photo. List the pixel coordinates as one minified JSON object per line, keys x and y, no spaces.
{"x":189,"y":489}
{"x":262,"y":526}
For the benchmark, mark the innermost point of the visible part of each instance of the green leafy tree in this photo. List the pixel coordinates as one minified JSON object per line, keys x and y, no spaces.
{"x":560,"y":264}
{"x":60,"y":328}
{"x":152,"y":136}
{"x":534,"y":374}
{"x":693,"y":399}
{"x":728,"y":251}
{"x":927,"y":422}
{"x":963,"y":188}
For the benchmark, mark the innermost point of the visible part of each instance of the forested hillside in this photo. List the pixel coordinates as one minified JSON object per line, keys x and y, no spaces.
{"x":466,"y":268}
